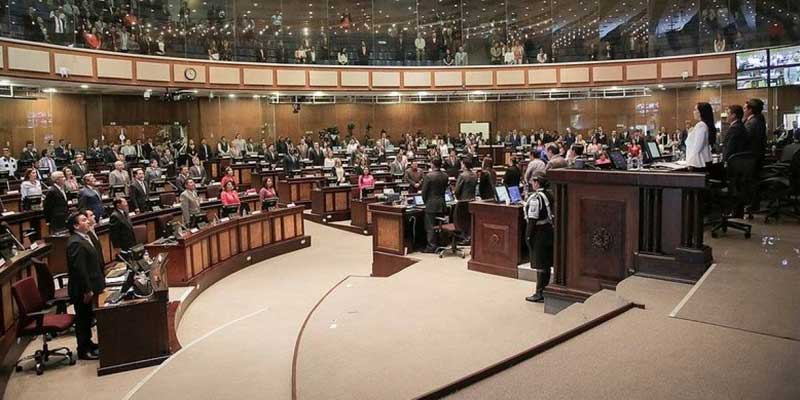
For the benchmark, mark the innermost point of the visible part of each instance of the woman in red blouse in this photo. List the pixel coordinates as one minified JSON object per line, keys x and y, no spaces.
{"x":229,"y":197}
{"x":267,"y":191}
{"x":229,"y":177}
{"x":366,"y":180}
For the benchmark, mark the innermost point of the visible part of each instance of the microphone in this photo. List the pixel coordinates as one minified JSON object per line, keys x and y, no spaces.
{"x":6,"y":228}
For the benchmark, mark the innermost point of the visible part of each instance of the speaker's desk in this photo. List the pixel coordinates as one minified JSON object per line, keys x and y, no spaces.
{"x":360,"y":214}
{"x":612,"y":224}
{"x":397,"y":230}
{"x":498,"y":232}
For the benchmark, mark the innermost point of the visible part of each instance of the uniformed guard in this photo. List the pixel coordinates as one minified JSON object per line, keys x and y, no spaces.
{"x":539,"y":233}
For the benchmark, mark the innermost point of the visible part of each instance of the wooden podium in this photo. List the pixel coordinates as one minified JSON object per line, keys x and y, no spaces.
{"x":298,"y":190}
{"x":498,"y":245}
{"x":331,"y":203}
{"x":612,"y":224}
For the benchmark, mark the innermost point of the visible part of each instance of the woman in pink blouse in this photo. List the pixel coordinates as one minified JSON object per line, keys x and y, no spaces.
{"x":365,"y":181}
{"x":229,"y":197}
{"x":267,"y":191}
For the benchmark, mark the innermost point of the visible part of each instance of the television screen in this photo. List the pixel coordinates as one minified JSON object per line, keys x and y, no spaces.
{"x":784,"y":76}
{"x":750,"y":60}
{"x":785,"y":56}
{"x":752,"y":79}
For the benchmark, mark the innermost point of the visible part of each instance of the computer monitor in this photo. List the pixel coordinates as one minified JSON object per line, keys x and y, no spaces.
{"x":198,"y":220}
{"x":269,"y":203}
{"x":652,"y":151}
{"x":44,"y":173}
{"x":514,"y":195}
{"x":117,"y":189}
{"x":448,"y":196}
{"x":418,"y":200}
{"x":618,"y":160}
{"x":228,"y":211}
{"x":32,"y":203}
{"x":502,"y":194}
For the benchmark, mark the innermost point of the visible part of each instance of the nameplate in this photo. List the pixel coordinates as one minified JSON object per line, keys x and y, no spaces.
{"x":256,"y":212}
{"x":104,"y":220}
{"x":226,"y":219}
{"x":13,"y":192}
{"x":34,"y":246}
{"x":131,"y":213}
{"x":105,"y":196}
{"x":9,"y":213}
{"x":290,"y":205}
{"x":193,"y":230}
{"x":163,"y":177}
{"x":212,"y":199}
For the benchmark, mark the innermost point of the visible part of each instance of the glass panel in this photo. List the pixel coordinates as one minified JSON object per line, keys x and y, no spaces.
{"x":623,"y":26}
{"x":674,"y":27}
{"x":575,"y":26}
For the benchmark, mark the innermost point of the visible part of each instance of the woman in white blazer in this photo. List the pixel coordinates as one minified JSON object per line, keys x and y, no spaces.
{"x":701,"y":137}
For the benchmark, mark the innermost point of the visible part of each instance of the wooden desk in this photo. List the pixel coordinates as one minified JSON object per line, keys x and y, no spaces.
{"x":218,"y":250}
{"x":331,"y":203}
{"x":298,"y":190}
{"x":361,"y":215}
{"x":612,"y":224}
{"x":397,"y":231}
{"x":134,"y":333}
{"x":498,"y":233}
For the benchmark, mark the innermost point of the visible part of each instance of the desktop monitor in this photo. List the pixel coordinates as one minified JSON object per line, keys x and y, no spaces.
{"x":448,"y":196}
{"x":44,"y":173}
{"x":269,"y":203}
{"x":418,"y":200}
{"x":228,"y":211}
{"x":32,"y":203}
{"x":198,"y":220}
{"x":618,"y":160}
{"x":651,"y":151}
{"x":514,"y":195}
{"x":117,"y":189}
{"x":501,"y":193}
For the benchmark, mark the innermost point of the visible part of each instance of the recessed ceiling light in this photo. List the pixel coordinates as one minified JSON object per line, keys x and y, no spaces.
{"x":49,"y":90}
{"x":232,"y":96}
{"x":318,"y":93}
{"x":394,"y":93}
{"x":84,"y":86}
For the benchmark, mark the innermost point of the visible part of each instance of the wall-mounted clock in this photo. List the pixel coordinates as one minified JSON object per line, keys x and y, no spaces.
{"x":190,"y":74}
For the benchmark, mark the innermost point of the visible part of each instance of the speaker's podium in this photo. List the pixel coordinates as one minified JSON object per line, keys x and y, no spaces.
{"x":613,"y":224}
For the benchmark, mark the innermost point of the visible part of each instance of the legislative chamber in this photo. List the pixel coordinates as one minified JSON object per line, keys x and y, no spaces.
{"x":399,"y":200}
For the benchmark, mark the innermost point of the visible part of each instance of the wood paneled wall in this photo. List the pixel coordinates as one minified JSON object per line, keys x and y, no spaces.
{"x":80,"y":118}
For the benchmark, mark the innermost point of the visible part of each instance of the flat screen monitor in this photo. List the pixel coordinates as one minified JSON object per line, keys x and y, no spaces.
{"x":784,"y":56}
{"x":784,"y":76}
{"x":269,"y":203}
{"x":502,"y":194}
{"x":618,"y":159}
{"x":514,"y":195}
{"x":448,"y":196}
{"x":652,"y":151}
{"x":749,"y":60}
{"x":228,"y":211}
{"x":418,"y":200}
{"x":752,"y":69}
{"x":753,"y":79}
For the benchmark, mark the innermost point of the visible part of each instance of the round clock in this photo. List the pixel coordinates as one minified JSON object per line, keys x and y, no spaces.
{"x":190,"y":74}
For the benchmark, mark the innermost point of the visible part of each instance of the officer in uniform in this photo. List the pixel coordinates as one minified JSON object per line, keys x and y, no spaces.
{"x":539,"y":233}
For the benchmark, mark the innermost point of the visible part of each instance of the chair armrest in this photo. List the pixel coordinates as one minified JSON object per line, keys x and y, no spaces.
{"x":38,"y":316}
{"x":60,"y":278}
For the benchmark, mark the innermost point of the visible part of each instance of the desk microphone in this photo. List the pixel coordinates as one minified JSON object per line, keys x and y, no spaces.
{"x":6,"y":228}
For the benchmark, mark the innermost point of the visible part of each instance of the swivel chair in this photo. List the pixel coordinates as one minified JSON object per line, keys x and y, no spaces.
{"x":35,"y":319}
{"x":782,"y":190}
{"x":53,"y":288}
{"x":735,"y":194}
{"x":456,"y":229}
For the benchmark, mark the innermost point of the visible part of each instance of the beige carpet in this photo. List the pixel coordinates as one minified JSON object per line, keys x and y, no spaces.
{"x":400,"y":337}
{"x":645,"y":355}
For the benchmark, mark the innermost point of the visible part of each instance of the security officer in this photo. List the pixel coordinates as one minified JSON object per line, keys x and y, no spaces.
{"x":539,"y":233}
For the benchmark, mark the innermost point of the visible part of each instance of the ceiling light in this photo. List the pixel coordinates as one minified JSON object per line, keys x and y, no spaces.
{"x":318,"y":93}
{"x":660,"y":86}
{"x":49,"y":90}
{"x":231,"y":96}
{"x":84,"y":86}
{"x":4,"y":82}
{"x":394,"y":94}
{"x":422,"y":93}
{"x":255,"y":96}
{"x":479,"y":92}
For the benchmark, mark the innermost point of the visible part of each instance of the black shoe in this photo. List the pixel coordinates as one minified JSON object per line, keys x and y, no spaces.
{"x":536,"y":298}
{"x":89,"y":355}
{"x":94,"y":346}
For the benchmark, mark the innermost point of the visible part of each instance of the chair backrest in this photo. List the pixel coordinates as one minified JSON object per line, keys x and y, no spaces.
{"x":47,"y":287}
{"x":213,"y":191}
{"x":461,"y":217}
{"x":168,"y":199}
{"x":28,"y":299}
{"x":741,"y":167}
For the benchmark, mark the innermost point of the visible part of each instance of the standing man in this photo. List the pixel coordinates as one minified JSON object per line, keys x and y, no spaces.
{"x":119,"y":176}
{"x":203,"y":152}
{"x":534,"y":165}
{"x":89,"y":198}
{"x":434,"y":185}
{"x":79,"y":169}
{"x":121,"y":227}
{"x":85,"y":282}
{"x":539,"y":234}
{"x":137,"y":192}
{"x":756,"y":128}
{"x":56,"y":204}
{"x":466,"y":183}
{"x":413,"y":177}
{"x":554,"y":157}
{"x":316,"y":155}
{"x":8,"y":163}
{"x":180,"y":180}
{"x":197,"y":172}
{"x":147,"y":148}
{"x":190,"y":202}
{"x":736,"y":140}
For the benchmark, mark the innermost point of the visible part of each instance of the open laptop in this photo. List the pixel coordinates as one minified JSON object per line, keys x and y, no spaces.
{"x":501,"y":194}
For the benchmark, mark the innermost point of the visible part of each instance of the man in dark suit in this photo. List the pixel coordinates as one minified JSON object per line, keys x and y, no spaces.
{"x":291,"y":161}
{"x":736,"y":140}
{"x":203,"y":151}
{"x":434,"y":185}
{"x":451,"y":164}
{"x":147,"y":148}
{"x":121,"y":227}
{"x":55,"y":203}
{"x":137,"y":192}
{"x":271,"y":156}
{"x":79,"y":168}
{"x":61,"y":150}
{"x":756,"y":128}
{"x":316,"y":155}
{"x":85,"y":282}
{"x":89,"y":198}
{"x":180,"y":180}
{"x":28,"y":153}
{"x":794,"y":134}
{"x":466,"y":183}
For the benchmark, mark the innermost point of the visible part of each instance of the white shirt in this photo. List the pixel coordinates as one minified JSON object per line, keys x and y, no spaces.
{"x":698,"y":152}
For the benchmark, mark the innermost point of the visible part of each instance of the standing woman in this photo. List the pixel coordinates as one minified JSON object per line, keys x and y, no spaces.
{"x":539,"y":234}
{"x":365,"y":181}
{"x":30,"y":186}
{"x":701,"y":137}
{"x":487,"y":180}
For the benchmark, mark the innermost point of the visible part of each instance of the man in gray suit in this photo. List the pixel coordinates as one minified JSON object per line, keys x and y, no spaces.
{"x":434,"y":185}
{"x":190,"y":202}
{"x":466,"y":183}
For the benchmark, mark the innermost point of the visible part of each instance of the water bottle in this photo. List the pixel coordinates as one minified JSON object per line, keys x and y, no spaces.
{"x":630,"y":162}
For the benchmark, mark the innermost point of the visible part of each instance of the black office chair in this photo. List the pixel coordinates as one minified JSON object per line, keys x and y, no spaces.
{"x":53,"y":288}
{"x":735,"y":193}
{"x":456,"y":229}
{"x":782,"y":191}
{"x":781,"y":167}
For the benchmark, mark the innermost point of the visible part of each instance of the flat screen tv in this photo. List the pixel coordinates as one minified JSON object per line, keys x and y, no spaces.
{"x":752,"y":69}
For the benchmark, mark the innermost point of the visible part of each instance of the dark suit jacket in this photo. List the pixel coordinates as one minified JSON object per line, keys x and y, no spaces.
{"x":465,"y":186}
{"x":88,"y":199}
{"x":203,"y":151}
{"x":121,"y":230}
{"x":180,"y":182}
{"x":55,"y":209}
{"x":291,"y":163}
{"x":434,"y":185}
{"x":737,"y":140}
{"x":147,"y":150}
{"x":486,"y":184}
{"x":316,"y":157}
{"x":271,"y":157}
{"x":78,"y":171}
{"x":452,"y":166}
{"x":60,"y":153}
{"x":27,"y":155}
{"x":83,"y":268}
{"x":756,"y":127}
{"x":513,"y":176}
{"x":138,"y":196}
